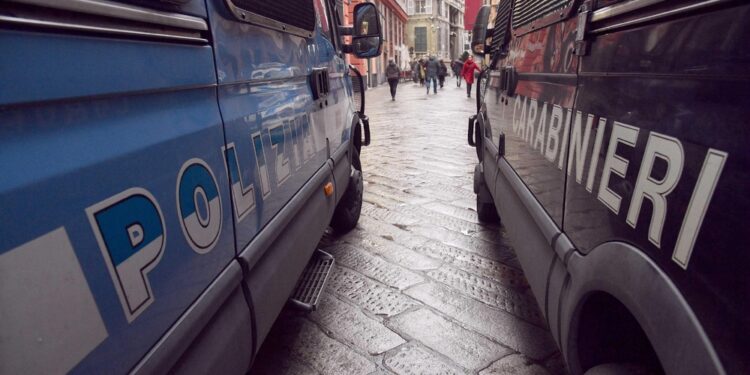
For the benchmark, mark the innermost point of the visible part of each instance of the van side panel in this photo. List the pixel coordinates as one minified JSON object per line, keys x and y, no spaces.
{"x":670,"y":175}
{"x":269,"y":116}
{"x":279,"y":140}
{"x":224,"y":345}
{"x":272,"y":279}
{"x":136,"y":130}
{"x":535,"y":122}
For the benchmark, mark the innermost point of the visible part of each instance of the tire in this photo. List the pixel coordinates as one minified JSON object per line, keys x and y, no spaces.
{"x":486,"y":212}
{"x":347,"y":212}
{"x":620,"y":369}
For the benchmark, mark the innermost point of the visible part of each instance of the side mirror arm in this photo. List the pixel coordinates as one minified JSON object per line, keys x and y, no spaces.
{"x":346,"y":30}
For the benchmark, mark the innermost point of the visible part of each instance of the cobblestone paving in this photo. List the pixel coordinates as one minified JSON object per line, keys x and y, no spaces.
{"x":420,"y":286}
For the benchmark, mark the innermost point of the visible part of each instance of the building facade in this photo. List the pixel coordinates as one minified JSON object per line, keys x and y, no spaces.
{"x":435,"y":27}
{"x":393,"y":19}
{"x":456,"y":11}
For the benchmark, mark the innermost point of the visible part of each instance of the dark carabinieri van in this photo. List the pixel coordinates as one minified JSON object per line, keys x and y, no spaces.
{"x":611,"y":138}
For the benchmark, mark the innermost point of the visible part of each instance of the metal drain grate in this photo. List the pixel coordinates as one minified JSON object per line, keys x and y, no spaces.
{"x":313,"y":281}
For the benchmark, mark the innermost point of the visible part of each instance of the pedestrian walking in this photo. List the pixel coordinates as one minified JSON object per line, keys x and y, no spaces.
{"x":421,"y":72}
{"x":468,"y":73}
{"x":457,"y":65}
{"x":442,"y":72}
{"x":432,"y":74}
{"x":393,"y":73}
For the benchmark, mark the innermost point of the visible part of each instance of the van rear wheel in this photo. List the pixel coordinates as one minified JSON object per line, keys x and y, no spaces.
{"x":346,"y":215}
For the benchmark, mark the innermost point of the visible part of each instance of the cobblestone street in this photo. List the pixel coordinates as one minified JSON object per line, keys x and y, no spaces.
{"x":420,"y":286}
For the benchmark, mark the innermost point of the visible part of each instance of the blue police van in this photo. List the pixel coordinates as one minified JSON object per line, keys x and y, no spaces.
{"x":168,"y":170}
{"x":611,"y":137}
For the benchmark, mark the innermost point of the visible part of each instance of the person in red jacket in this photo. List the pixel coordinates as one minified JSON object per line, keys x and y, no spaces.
{"x":468,"y":73}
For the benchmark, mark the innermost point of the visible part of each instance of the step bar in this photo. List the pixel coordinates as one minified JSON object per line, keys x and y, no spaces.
{"x":310,"y":286}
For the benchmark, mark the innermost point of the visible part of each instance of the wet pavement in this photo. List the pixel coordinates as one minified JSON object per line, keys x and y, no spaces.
{"x":420,"y":286}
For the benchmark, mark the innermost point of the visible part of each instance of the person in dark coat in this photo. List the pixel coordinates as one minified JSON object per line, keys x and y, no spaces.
{"x":432,"y":73}
{"x":442,"y":72}
{"x":421,"y":68}
{"x":457,"y":65}
{"x":393,"y":73}
{"x":468,"y":73}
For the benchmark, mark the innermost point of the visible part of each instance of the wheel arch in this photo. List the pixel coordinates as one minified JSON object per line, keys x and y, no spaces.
{"x":648,"y":295}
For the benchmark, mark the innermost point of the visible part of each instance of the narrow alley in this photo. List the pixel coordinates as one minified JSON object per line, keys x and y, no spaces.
{"x":420,"y":286}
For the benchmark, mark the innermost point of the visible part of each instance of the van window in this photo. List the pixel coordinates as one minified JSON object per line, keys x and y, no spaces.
{"x":297,"y":13}
{"x":527,"y":11}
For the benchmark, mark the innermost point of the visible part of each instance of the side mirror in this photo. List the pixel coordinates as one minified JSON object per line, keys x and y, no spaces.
{"x":367,"y":37}
{"x":480,"y":32}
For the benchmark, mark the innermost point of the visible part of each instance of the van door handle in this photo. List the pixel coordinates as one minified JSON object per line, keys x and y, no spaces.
{"x":319,"y":83}
{"x":510,"y":80}
{"x":470,"y":136}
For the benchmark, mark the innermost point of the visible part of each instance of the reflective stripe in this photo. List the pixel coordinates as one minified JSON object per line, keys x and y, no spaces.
{"x":106,"y":30}
{"x":122,"y":11}
{"x":616,"y":10}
